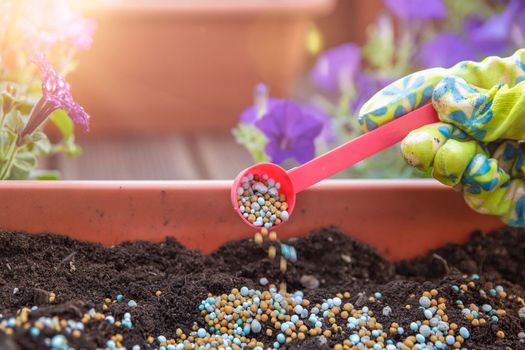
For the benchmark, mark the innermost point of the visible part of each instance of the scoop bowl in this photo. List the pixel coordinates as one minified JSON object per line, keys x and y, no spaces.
{"x":274,"y":172}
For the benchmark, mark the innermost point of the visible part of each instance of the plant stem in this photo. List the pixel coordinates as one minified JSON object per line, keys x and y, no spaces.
{"x":6,"y":168}
{"x":2,"y":119}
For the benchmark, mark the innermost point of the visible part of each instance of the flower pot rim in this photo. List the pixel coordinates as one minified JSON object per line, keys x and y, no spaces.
{"x":214,"y":7}
{"x":331,"y":184}
{"x":400,"y":218}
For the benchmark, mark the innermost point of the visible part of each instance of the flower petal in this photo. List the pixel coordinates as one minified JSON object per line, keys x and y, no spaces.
{"x":493,"y":36}
{"x":290,"y":132}
{"x":303,"y":151}
{"x":445,"y":50}
{"x":417,"y":9}
{"x":276,"y":153}
{"x":56,"y":94}
{"x":336,"y":67}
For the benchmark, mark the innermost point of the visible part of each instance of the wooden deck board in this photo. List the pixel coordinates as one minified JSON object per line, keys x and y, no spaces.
{"x":221,"y":156}
{"x":151,"y":158}
{"x":176,"y":157}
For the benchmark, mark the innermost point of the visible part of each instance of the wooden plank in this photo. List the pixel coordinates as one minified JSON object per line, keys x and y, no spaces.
{"x":132,"y":158}
{"x":221,"y":156}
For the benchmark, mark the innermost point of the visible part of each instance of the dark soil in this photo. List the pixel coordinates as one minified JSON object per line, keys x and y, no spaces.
{"x":83,"y":274}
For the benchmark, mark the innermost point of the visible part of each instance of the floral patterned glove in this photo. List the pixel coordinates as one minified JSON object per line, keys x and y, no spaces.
{"x":476,"y":147}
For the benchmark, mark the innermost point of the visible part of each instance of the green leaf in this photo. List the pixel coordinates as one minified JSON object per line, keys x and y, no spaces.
{"x":6,"y":99}
{"x":254,"y":141}
{"x":41,"y":144}
{"x":23,"y":164}
{"x":14,"y":121}
{"x":73,"y":150}
{"x":35,"y":88}
{"x":68,"y":147}
{"x":44,"y":174}
{"x":380,"y":39}
{"x":67,"y":128}
{"x":63,"y":123}
{"x":459,"y":10}
{"x":5,"y":142}
{"x":22,"y":103}
{"x":24,"y":106}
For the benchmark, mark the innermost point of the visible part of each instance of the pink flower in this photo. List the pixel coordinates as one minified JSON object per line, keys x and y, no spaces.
{"x":56,"y":94}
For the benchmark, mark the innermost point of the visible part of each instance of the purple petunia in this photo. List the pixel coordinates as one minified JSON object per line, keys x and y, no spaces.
{"x":493,"y":36}
{"x":328,"y":134}
{"x":482,"y":38}
{"x":336,"y":68}
{"x":290,"y":132}
{"x":262,"y":105}
{"x":55,"y":95}
{"x":366,"y":86}
{"x":417,"y":9}
{"x":445,"y":50}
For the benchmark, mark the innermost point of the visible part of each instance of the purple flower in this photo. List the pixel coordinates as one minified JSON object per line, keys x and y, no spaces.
{"x":483,"y":38}
{"x":251,"y":114}
{"x":329,"y":133}
{"x":417,"y":9}
{"x":336,"y":68}
{"x":261,"y":106}
{"x":493,"y":37}
{"x":445,"y":50}
{"x":55,"y":95}
{"x":366,"y":86}
{"x":290,"y":132}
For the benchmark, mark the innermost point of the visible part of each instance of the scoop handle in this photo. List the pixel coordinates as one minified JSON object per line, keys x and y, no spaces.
{"x":360,"y":148}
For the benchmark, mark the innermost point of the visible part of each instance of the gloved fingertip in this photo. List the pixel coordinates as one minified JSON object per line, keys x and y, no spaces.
{"x":420,"y":147}
{"x":452,"y":159}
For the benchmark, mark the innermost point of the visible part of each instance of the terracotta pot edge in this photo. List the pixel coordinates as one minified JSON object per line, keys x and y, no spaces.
{"x":327,"y":185}
{"x":207,"y":7}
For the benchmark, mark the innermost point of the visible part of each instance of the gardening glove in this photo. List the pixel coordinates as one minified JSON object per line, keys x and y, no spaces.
{"x":477,"y":147}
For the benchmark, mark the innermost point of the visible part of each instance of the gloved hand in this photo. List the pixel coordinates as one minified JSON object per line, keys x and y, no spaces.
{"x":476,"y":148}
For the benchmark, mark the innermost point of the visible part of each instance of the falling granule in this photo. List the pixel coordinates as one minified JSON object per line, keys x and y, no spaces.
{"x":258,"y":238}
{"x":271,"y":251}
{"x":288,"y":252}
{"x":283,"y":265}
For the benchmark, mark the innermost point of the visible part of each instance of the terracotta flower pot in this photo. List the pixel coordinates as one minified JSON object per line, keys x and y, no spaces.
{"x":349,"y":21}
{"x":162,"y":66}
{"x":400,"y":218}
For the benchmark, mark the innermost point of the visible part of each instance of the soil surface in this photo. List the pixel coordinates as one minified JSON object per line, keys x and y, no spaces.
{"x":67,"y":278}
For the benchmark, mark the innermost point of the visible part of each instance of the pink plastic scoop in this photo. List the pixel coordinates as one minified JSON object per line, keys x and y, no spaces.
{"x":300,"y":178}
